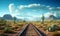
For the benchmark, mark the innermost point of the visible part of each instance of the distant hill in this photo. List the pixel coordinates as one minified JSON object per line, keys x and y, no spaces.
{"x":53,"y":17}
{"x":7,"y":17}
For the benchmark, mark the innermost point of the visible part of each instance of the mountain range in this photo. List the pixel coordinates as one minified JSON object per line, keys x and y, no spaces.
{"x":9,"y":17}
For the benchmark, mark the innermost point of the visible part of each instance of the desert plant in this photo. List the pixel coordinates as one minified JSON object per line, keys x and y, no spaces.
{"x":52,"y":28}
{"x":43,"y":19}
{"x":7,"y":30}
{"x":14,"y":20}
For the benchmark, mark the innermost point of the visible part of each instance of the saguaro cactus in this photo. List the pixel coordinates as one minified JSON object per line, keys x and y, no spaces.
{"x":42,"y":19}
{"x":14,"y":20}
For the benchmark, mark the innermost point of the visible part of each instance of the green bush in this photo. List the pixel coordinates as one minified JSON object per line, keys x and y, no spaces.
{"x":53,"y":28}
{"x":7,"y":30}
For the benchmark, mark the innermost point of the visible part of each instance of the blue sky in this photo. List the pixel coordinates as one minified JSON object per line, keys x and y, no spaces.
{"x":30,"y":9}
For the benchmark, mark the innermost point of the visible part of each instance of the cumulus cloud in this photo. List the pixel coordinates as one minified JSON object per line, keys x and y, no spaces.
{"x":50,"y":8}
{"x":25,"y":11}
{"x":11,"y":7}
{"x":49,"y":13}
{"x":33,"y":6}
{"x":36,"y":6}
{"x":28,"y":6}
{"x":13,"y":10}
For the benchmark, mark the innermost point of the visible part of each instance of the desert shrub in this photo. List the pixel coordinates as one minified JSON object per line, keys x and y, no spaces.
{"x":52,"y":28}
{"x":14,"y":20}
{"x":8,"y":29}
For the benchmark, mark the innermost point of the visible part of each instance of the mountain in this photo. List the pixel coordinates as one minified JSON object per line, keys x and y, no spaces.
{"x":52,"y":17}
{"x":7,"y":17}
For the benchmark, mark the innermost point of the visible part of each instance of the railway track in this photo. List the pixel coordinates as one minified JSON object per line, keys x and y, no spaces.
{"x":31,"y":30}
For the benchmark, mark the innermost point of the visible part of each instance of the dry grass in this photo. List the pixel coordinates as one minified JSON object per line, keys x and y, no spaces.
{"x":11,"y":28}
{"x":18,"y":26}
{"x":46,"y":25}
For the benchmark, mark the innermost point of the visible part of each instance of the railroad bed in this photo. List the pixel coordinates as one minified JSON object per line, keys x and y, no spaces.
{"x":31,"y":30}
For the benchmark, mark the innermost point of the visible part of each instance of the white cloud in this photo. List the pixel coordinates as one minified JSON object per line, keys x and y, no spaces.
{"x":49,"y":13}
{"x":21,"y":6}
{"x":48,"y":6}
{"x":17,"y":11}
{"x":29,"y":15}
{"x":54,"y":8}
{"x":11,"y":7}
{"x":13,"y":10}
{"x":33,"y":5}
{"x":28,"y":6}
